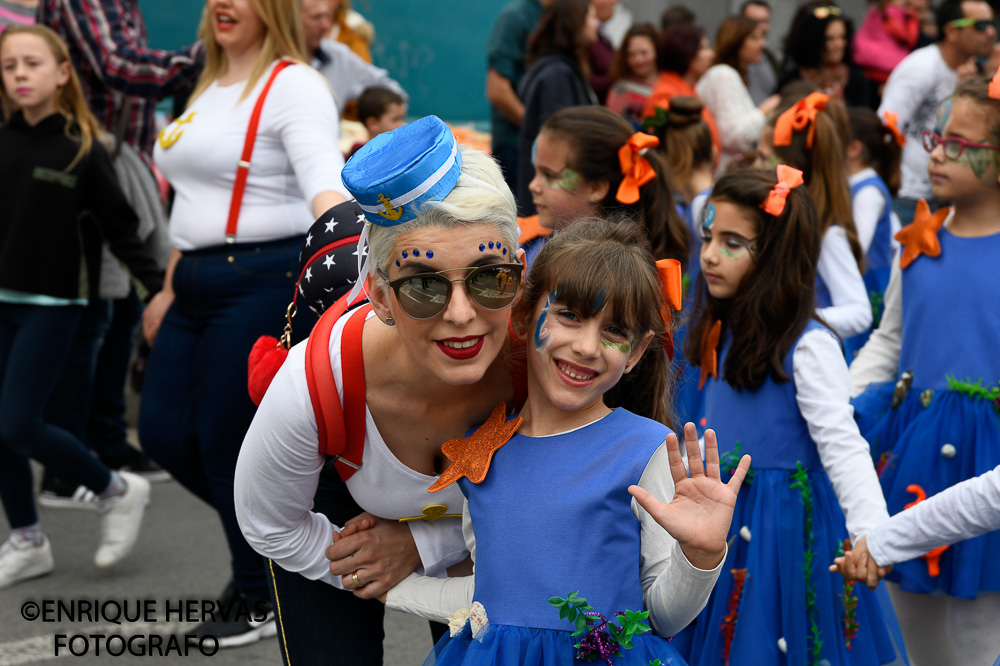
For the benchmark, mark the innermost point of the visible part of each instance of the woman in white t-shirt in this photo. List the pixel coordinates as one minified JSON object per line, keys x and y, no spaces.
{"x":230,"y":276}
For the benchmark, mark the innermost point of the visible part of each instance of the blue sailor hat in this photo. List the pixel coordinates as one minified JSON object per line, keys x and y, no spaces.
{"x":397,"y":172}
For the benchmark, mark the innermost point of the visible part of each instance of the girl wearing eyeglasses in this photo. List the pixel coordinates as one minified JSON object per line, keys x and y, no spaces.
{"x":930,"y":379}
{"x":560,"y":544}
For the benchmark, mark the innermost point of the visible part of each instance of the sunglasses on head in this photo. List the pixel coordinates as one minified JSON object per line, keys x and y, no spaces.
{"x":826,"y":12}
{"x":968,"y":22}
{"x":425,"y":295}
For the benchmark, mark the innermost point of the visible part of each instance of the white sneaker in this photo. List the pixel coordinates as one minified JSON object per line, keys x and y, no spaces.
{"x":121,"y":520}
{"x":20,"y":560}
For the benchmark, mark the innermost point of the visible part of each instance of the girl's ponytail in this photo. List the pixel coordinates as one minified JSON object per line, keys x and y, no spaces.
{"x":595,"y":135}
{"x":810,"y":136}
{"x":882,"y":141}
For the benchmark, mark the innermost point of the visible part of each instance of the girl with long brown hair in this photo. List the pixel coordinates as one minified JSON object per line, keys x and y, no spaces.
{"x":588,"y":454}
{"x":775,"y":384}
{"x":53,"y":169}
{"x":580,"y":171}
{"x":810,"y":135}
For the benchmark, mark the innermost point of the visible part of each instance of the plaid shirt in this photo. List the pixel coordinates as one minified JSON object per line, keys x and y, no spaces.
{"x":109,"y":48}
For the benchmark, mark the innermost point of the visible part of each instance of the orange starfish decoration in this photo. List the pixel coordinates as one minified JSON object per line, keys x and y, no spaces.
{"x":920,"y":236}
{"x":471,"y":455}
{"x":709,"y":353}
{"x":933,"y":558}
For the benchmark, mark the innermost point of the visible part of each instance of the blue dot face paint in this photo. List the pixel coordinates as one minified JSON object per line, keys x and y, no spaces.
{"x":542,"y":338}
{"x":404,"y":254}
{"x":430,"y":254}
{"x":482,"y":247}
{"x":416,"y":253}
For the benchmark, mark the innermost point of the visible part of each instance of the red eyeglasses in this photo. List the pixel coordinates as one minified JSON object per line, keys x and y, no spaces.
{"x":953,"y":146}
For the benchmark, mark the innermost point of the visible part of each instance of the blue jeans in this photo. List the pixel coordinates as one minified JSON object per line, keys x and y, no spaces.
{"x":906,"y":209}
{"x":106,"y":427}
{"x":195,"y":405}
{"x":35,"y":343}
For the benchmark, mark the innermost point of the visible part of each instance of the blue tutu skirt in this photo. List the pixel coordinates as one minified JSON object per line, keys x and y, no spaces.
{"x":955,"y":437}
{"x":515,"y":646}
{"x":771,"y":620}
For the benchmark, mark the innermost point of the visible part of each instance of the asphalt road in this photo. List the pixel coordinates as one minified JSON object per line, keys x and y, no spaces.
{"x":181,"y":554}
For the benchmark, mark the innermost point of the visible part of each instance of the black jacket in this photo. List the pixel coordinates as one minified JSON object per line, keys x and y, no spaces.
{"x":47,"y":243}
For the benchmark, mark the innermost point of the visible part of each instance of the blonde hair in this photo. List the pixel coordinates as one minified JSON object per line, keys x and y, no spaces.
{"x":480,"y":197}
{"x":81,"y":125}
{"x":284,"y":38}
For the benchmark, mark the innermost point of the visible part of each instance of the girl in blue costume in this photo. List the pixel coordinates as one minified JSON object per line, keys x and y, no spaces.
{"x":589,"y":161}
{"x":873,"y":157}
{"x":553,"y":519}
{"x":810,"y":136}
{"x":938,"y":424}
{"x":776,"y":387}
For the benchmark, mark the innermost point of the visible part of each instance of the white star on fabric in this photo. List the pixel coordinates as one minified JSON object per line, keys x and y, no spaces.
{"x":364,"y":251}
{"x":330,"y":225}
{"x":361,"y":218}
{"x":329,"y":261}
{"x":309,"y":274}
{"x":350,"y":281}
{"x":309,"y":239}
{"x":300,"y":290}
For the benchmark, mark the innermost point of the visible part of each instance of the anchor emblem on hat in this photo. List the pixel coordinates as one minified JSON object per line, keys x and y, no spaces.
{"x":389,"y":213}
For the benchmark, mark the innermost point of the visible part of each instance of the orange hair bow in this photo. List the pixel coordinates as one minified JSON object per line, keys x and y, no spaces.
{"x":891,"y":124}
{"x":798,"y":118}
{"x":671,"y":283}
{"x":788,"y":180}
{"x":636,"y":168}
{"x":994,"y":91}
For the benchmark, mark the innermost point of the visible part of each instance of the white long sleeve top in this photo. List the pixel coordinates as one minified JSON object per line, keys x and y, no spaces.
{"x":964,"y":511}
{"x":295,"y":157}
{"x":279,"y":468}
{"x":737,"y":118}
{"x":867,"y":207}
{"x":674,"y":590}
{"x":822,"y":387}
{"x":850,"y":312}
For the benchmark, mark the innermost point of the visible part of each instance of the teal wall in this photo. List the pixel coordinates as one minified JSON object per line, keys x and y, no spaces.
{"x":435,"y":48}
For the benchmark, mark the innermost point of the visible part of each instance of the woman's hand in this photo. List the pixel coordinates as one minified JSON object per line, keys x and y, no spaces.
{"x":153,"y":315}
{"x":701,"y":511}
{"x":858,"y":564}
{"x":379,"y":552}
{"x":770,"y":105}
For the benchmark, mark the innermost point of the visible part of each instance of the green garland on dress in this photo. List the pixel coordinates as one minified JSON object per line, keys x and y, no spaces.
{"x":804,"y":486}
{"x":975,"y":391}
{"x":850,"y":620}
{"x":730,"y":460}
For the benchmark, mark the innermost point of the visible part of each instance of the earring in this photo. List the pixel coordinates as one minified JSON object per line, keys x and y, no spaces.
{"x":389,"y":321}
{"x":626,"y":365}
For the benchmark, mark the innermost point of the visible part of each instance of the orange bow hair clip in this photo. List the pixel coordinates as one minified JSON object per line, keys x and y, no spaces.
{"x":636,"y":168}
{"x":788,"y":180}
{"x":994,"y":91}
{"x":892,"y":124}
{"x":672,"y":285}
{"x":798,"y":118}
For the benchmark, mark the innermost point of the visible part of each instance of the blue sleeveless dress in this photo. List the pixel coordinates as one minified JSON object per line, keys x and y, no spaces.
{"x":878,"y":262}
{"x":553,"y":516}
{"x":942,"y":433}
{"x":788,"y":609}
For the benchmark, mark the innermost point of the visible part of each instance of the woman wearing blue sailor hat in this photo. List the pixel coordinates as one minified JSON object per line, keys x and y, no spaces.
{"x":441,"y":270}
